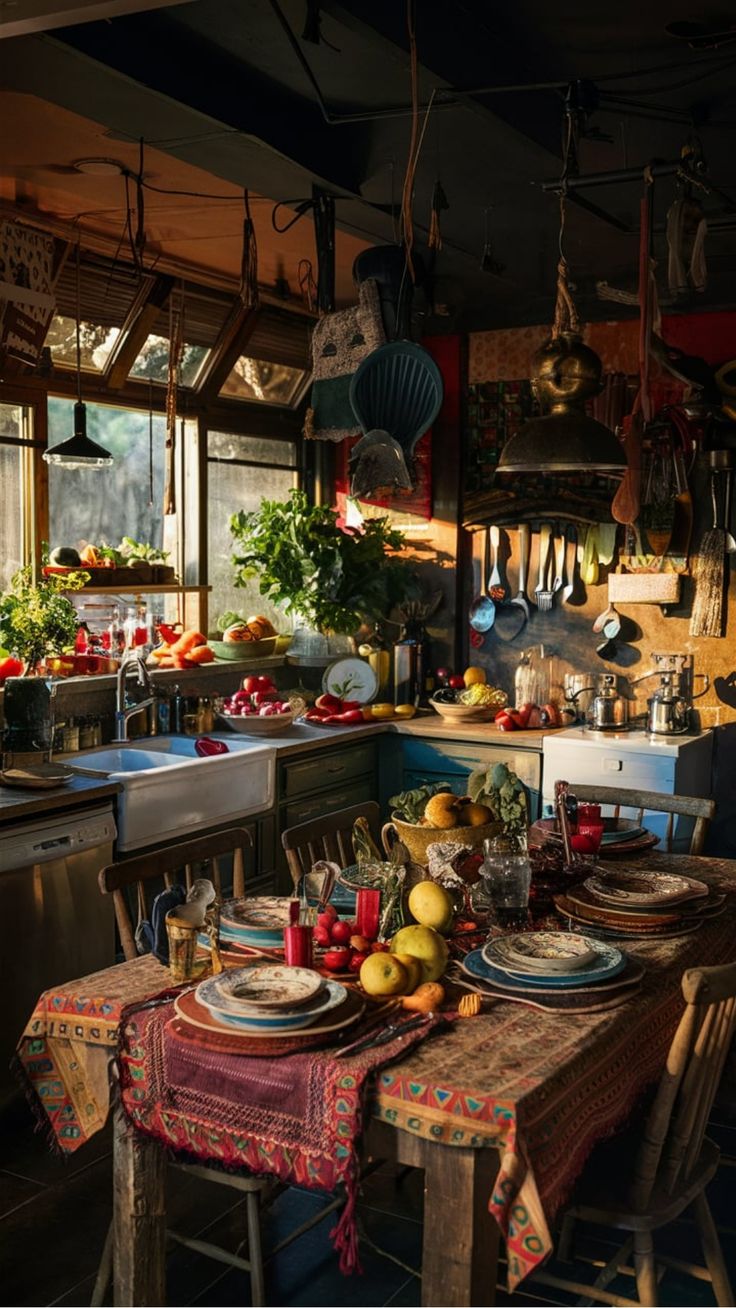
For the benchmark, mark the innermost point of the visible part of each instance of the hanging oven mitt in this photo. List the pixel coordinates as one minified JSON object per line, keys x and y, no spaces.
{"x":339,"y":343}
{"x":150,"y":934}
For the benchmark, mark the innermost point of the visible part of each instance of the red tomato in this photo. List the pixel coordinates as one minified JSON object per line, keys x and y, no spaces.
{"x":456,"y":683}
{"x":10,"y":667}
{"x":351,"y":718}
{"x":340,"y":932}
{"x":329,"y":702}
{"x":336,"y":960}
{"x":250,"y":684}
{"x":265,"y":684}
{"x":321,"y":935}
{"x":357,"y":960}
{"x":506,"y":724}
{"x":525,"y":713}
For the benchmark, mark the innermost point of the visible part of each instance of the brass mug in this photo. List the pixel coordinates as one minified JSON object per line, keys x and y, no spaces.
{"x":183,"y":962}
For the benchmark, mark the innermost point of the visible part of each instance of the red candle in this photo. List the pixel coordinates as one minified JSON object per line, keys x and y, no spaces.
{"x":298,"y":946}
{"x":367,"y":912}
{"x":592,"y":829}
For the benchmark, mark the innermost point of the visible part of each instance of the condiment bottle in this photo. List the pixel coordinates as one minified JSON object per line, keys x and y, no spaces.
{"x":178,"y":709}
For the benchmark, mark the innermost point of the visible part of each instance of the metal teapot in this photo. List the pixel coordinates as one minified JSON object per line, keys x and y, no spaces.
{"x":669,"y":708}
{"x":608,"y":710}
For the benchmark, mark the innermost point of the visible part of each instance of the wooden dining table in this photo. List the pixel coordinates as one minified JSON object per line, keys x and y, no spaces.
{"x":500,"y":1111}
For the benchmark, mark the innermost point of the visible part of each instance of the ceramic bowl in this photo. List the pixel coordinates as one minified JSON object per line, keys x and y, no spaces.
{"x":243,"y":649}
{"x":254,"y":725}
{"x":464,"y":712}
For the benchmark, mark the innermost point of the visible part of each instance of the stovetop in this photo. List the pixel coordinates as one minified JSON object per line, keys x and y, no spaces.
{"x":632,"y":738}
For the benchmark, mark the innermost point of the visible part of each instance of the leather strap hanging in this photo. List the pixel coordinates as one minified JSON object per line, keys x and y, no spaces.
{"x":175,"y":352}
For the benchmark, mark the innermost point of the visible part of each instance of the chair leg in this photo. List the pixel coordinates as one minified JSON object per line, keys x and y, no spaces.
{"x":255,"y":1253}
{"x":104,"y":1271}
{"x":714,"y":1259}
{"x":646,"y":1271}
{"x":564,"y":1244}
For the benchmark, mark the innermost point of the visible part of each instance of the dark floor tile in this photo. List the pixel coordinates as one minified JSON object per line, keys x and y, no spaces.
{"x":26,"y":1151}
{"x":408,"y":1295}
{"x":14,"y":1191}
{"x":81,"y":1293}
{"x":395,"y":1190}
{"x":57,"y":1238}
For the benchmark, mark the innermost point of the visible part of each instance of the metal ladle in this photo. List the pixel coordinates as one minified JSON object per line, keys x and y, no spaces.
{"x":482,"y":610}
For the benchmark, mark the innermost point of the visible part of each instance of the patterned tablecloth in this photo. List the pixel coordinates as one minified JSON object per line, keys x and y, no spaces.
{"x":542,"y":1088}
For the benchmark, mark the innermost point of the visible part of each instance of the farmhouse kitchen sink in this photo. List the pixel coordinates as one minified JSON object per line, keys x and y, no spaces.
{"x":168,"y":791}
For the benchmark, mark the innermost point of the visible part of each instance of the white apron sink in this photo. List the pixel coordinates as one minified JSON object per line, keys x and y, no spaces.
{"x":168,"y":791}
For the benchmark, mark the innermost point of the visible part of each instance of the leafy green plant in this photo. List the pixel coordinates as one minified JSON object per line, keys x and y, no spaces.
{"x":409,"y":806}
{"x":334,"y":577}
{"x":500,"y":788}
{"x":38,"y":619}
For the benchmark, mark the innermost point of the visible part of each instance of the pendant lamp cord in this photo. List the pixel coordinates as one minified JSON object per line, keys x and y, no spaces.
{"x":566,"y":317}
{"x":79,"y":331}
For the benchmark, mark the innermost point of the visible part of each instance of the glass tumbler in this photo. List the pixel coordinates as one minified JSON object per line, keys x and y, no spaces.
{"x":508,"y":878}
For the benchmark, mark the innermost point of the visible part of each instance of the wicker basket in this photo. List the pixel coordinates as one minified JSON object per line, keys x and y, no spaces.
{"x":418,"y":839}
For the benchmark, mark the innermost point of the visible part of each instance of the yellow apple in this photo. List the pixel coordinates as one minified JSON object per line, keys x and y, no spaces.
{"x":383,"y":974}
{"x":431,"y":905}
{"x":414,"y":970}
{"x":425,"y":944}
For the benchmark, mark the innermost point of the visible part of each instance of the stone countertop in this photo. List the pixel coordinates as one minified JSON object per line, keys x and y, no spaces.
{"x":17,"y":805}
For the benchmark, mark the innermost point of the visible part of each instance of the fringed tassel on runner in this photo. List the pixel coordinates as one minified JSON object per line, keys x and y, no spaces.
{"x":344,"y":1234}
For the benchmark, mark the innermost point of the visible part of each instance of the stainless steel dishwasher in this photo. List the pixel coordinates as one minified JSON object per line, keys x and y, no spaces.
{"x":55,"y":923}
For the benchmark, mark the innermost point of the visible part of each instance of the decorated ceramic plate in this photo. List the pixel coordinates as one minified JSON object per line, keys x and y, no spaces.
{"x":330,"y":997}
{"x":200,"y":1024}
{"x":606,"y":963}
{"x":260,"y":920}
{"x":643,"y":889}
{"x":619,"y":922}
{"x":351,"y":678}
{"x":542,"y":951}
{"x":284,"y":1020}
{"x":260,"y":987}
{"x":604,"y":910}
{"x":626,"y":972}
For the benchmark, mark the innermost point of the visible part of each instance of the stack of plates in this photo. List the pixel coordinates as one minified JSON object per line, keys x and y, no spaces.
{"x":256,"y":923}
{"x":621,"y":836}
{"x":639,"y":902}
{"x":554,"y":970}
{"x":263,"y":1002}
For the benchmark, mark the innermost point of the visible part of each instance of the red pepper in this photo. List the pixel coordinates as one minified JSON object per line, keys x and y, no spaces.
{"x":168,"y":635}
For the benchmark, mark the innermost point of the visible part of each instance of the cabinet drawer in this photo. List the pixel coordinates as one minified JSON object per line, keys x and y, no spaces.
{"x":323,"y":771}
{"x":340,"y":797}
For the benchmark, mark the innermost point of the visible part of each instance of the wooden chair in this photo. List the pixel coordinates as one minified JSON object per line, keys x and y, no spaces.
{"x":327,"y":837}
{"x":176,"y":862}
{"x":183,"y":862}
{"x":643,"y":801}
{"x":666,"y":1166}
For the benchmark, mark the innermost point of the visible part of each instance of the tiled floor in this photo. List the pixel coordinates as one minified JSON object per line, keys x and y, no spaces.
{"x":54,"y":1216}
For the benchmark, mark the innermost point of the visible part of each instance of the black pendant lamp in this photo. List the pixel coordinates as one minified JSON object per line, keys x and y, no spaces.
{"x":565,"y":374}
{"x":79,"y":451}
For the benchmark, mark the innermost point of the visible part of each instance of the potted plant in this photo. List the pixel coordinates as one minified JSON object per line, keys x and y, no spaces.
{"x":37,"y":618}
{"x":329,"y":578}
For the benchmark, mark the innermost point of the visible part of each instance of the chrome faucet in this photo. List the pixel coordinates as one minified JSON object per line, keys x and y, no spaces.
{"x":123,"y":710}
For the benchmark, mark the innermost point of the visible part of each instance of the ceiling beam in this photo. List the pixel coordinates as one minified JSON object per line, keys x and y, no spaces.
{"x":137,"y":328}
{"x":233,"y":339}
{"x":42,"y":15}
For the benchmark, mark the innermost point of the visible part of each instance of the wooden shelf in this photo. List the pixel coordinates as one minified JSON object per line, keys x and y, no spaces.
{"x":144,"y":588}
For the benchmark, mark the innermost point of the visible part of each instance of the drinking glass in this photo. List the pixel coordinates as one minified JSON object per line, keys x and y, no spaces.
{"x":593,"y":829}
{"x":507,"y":877}
{"x":298,"y":946}
{"x":367,"y":912}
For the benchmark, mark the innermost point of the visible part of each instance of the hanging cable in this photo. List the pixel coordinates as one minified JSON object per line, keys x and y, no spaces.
{"x":407,"y":195}
{"x":249,"y":259}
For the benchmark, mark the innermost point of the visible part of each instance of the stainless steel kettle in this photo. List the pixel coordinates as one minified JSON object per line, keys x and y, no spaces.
{"x":608,"y":711}
{"x":669,"y":708}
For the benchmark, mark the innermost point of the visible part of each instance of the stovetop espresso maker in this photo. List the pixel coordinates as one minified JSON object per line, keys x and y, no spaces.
{"x":669,"y":709}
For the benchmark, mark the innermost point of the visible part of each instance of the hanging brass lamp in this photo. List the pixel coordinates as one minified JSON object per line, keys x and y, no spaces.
{"x":565,"y":374}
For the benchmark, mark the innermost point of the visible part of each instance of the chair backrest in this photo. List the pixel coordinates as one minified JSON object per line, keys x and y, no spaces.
{"x":651,"y":801}
{"x":171,"y":864}
{"x":326,"y":837}
{"x":675,"y":1127}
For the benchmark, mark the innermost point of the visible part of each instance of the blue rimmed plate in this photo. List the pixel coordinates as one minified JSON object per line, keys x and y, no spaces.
{"x":259,"y":921}
{"x":330,"y":996}
{"x":260,"y":988}
{"x":608,"y":962}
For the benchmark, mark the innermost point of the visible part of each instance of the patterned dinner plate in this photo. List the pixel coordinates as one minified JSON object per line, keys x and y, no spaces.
{"x":330,"y":996}
{"x":643,"y":889}
{"x":260,"y":920}
{"x":541,"y":951}
{"x":260,"y":987}
{"x":622,"y":925}
{"x":617,"y":914}
{"x":346,"y":1011}
{"x":628,"y":973}
{"x":608,"y":961}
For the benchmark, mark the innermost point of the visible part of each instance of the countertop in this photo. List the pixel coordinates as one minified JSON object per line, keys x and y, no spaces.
{"x":16,"y":804}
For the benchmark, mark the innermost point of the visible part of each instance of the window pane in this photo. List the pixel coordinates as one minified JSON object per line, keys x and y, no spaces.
{"x":231,"y":488}
{"x":271,"y":383}
{"x":105,"y":504}
{"x":153,"y":361}
{"x":96,"y":343}
{"x":11,"y":519}
{"x":256,"y":449}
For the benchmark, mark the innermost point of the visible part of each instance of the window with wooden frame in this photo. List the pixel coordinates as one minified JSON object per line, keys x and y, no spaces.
{"x":23,"y":482}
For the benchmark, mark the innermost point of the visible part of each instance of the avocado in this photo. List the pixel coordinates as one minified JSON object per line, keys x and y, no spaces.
{"x":65,"y":557}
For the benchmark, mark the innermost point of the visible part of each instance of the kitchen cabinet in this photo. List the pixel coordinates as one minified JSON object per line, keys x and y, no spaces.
{"x":321,"y":782}
{"x":429,"y":760}
{"x":669,"y":765}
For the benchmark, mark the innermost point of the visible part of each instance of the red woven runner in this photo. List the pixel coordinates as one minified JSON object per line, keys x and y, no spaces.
{"x":298,"y":1118}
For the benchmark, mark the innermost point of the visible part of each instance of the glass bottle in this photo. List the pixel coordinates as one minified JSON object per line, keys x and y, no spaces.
{"x":406,"y":662}
{"x":129,"y":629}
{"x":375,"y":650}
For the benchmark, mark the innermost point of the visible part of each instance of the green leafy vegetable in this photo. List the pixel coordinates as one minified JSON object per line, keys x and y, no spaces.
{"x":409,"y":806}
{"x":334,"y":577}
{"x":36,"y":620}
{"x":502,"y":791}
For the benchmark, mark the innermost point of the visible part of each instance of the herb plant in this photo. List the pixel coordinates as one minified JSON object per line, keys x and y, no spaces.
{"x":501,"y":790}
{"x":409,"y":806}
{"x":38,"y":619}
{"x":334,"y":577}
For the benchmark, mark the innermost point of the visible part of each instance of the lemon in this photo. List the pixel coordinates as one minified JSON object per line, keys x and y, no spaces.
{"x":382,"y":710}
{"x":474,"y":677}
{"x":405,"y":710}
{"x":431,"y":905}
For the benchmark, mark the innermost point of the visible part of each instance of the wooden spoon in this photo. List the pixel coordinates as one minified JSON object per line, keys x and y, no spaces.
{"x":626,"y":501}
